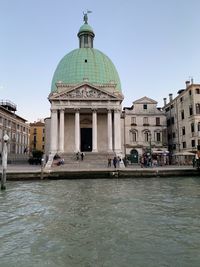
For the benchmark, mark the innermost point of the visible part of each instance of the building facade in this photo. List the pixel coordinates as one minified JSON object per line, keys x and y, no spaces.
{"x":145,"y":130}
{"x":183,"y":119}
{"x":37,"y":136}
{"x":15,"y":127}
{"x":85,"y":101}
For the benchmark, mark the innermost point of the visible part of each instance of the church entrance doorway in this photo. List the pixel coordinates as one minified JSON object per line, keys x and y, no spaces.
{"x":86,"y":139}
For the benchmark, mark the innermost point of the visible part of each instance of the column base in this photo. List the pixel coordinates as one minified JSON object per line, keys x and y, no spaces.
{"x":94,"y":150}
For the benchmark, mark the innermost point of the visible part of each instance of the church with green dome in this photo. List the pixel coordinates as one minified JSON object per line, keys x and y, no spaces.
{"x":86,"y":100}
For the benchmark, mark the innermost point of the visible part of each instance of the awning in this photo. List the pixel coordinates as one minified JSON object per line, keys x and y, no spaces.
{"x":184,"y":153}
{"x":160,"y":152}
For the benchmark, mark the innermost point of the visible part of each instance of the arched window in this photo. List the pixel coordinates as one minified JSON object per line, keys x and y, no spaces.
{"x":198,"y":108}
{"x":133,"y":135}
{"x":146,"y":136}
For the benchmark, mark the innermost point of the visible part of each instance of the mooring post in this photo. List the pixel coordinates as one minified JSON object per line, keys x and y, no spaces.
{"x":4,"y":162}
{"x":42,"y":169}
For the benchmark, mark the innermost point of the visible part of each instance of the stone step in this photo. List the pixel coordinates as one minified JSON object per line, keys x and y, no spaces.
{"x":90,"y":160}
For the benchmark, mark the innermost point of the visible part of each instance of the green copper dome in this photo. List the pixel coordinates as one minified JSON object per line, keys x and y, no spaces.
{"x":86,"y":64}
{"x":86,"y":28}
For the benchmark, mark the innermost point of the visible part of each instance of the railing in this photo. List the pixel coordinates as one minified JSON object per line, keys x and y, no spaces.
{"x":8,"y":103}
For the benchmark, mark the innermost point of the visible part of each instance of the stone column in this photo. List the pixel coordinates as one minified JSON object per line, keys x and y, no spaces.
{"x":61,"y":132}
{"x":117,"y":132}
{"x":77,"y":130}
{"x":54,"y":130}
{"x":109,"y":130}
{"x":94,"y":130}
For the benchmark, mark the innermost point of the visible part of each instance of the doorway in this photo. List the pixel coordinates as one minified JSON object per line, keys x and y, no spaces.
{"x":134,"y":156}
{"x":86,"y":139}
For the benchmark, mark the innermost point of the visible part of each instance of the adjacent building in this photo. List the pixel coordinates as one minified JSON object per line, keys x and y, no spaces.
{"x":183,"y":120}
{"x":37,"y":136}
{"x":15,"y":127}
{"x":145,"y":130}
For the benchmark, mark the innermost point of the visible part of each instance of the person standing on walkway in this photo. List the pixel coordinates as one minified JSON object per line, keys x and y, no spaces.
{"x":115,"y":162}
{"x":82,"y":156}
{"x":109,"y":162}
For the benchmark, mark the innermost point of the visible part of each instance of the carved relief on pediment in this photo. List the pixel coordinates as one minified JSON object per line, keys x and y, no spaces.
{"x":85,"y":93}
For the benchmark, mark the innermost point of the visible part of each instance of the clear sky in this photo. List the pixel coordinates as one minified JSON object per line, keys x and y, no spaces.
{"x":154,"y":44}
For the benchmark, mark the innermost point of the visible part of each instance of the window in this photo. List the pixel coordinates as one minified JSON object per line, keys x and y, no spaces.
{"x":133,"y":121}
{"x":197,"y":108}
{"x":197,"y":91}
{"x":85,"y":40}
{"x":134,"y":137}
{"x":190,"y":92}
{"x":1,"y":120}
{"x":172,"y":120}
{"x":184,"y":144}
{"x":34,"y":139}
{"x":145,"y":121}
{"x":145,"y":106}
{"x":43,"y":139}
{"x":181,"y":99}
{"x":158,"y":137}
{"x":198,"y":142}
{"x":183,"y":130}
{"x":146,"y":136}
{"x":35,"y":131}
{"x":182,"y":115}
{"x":157,"y":121}
{"x":198,"y":126}
{"x":193,"y":143}
{"x":174,"y":135}
{"x":190,"y":110}
{"x":192,"y":127}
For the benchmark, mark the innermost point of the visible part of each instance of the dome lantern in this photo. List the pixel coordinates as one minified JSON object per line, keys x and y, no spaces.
{"x":86,"y":34}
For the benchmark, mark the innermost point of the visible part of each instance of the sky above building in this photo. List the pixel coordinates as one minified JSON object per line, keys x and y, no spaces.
{"x":154,"y":45}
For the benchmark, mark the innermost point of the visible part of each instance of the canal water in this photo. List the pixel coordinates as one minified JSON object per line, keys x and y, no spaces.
{"x":105,"y":223}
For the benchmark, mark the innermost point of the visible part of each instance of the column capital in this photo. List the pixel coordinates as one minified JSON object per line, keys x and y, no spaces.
{"x":53,"y":110}
{"x":117,"y":110}
{"x":77,"y":109}
{"x":94,"y":109}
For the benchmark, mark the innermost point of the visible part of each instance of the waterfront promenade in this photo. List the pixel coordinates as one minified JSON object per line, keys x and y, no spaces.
{"x":26,"y":172}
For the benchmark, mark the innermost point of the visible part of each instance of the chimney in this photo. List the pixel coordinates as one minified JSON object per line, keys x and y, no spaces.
{"x":165,"y":101}
{"x":170,"y":97}
{"x":187,"y":83}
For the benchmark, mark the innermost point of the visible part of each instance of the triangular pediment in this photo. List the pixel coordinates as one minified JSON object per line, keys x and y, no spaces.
{"x":144,"y":100}
{"x":83,"y":92}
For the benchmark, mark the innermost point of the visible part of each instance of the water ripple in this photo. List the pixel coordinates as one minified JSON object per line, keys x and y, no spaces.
{"x":131,"y":222}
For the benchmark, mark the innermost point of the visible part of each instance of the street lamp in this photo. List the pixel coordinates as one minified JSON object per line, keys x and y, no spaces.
{"x":4,"y":162}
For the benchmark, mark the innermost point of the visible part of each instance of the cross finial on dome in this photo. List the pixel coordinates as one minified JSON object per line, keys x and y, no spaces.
{"x":85,"y":16}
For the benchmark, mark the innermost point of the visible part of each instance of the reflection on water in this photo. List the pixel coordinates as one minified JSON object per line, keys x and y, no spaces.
{"x":132,"y":222}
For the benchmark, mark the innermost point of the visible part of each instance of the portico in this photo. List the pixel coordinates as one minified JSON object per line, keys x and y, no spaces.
{"x":85,"y":125}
